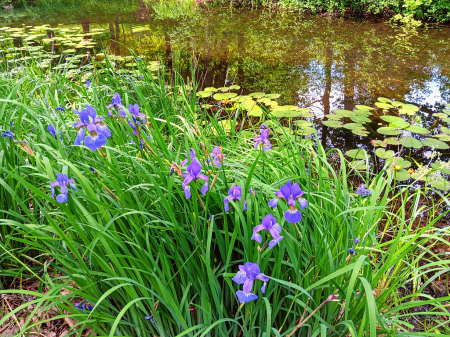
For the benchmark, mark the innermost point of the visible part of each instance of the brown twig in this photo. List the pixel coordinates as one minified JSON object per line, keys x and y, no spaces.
{"x":14,"y":316}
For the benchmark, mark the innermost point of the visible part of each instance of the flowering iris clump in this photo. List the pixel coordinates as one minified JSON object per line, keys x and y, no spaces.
{"x":193,"y":173}
{"x":363,"y":191}
{"x":8,"y":134}
{"x":248,"y":273}
{"x":218,"y":157}
{"x":234,"y":193}
{"x":134,"y":111}
{"x":263,"y":138}
{"x":62,"y":181}
{"x":98,"y":131}
{"x":116,"y":103}
{"x":269,"y":224}
{"x":290,"y":192}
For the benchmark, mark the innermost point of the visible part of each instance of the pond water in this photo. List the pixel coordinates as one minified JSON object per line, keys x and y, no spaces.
{"x":311,"y":61}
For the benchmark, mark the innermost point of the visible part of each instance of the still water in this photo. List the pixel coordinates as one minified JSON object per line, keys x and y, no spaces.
{"x":311,"y":61}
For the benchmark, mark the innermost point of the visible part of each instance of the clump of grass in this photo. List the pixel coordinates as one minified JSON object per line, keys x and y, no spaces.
{"x":152,"y":262}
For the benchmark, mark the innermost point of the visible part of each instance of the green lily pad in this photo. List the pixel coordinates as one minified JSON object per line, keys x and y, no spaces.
{"x":333,"y":124}
{"x":354,"y":126}
{"x":410,"y":142}
{"x":446,"y":111}
{"x":444,"y":167}
{"x":418,"y":129}
{"x":356,"y":153}
{"x":392,"y":119}
{"x":235,"y":87}
{"x":401,"y":175}
{"x":398,"y":161}
{"x":440,"y":115}
{"x":399,"y":125}
{"x":204,"y":94}
{"x":257,"y":94}
{"x":361,"y":133}
{"x":306,"y":131}
{"x":223,"y":89}
{"x":362,"y":113}
{"x":363,"y":107}
{"x":303,"y":124}
{"x":446,"y":120}
{"x":334,"y":117}
{"x":220,"y":97}
{"x":344,"y":113}
{"x":437,"y":144}
{"x":212,"y":89}
{"x":443,"y":137}
{"x":384,"y":100}
{"x":378,"y":143}
{"x":358,"y":165}
{"x":410,"y":107}
{"x":383,"y":154}
{"x":359,"y":119}
{"x":397,"y":104}
{"x":440,"y":184}
{"x":445,"y":130}
{"x":255,"y":111}
{"x":388,"y":131}
{"x":264,"y":100}
{"x":273,"y":96}
{"x":384,"y":106}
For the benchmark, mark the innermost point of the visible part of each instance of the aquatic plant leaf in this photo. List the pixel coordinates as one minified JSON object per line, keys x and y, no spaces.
{"x":398,"y":161}
{"x":397,"y":104}
{"x":392,"y":119}
{"x":410,"y":142}
{"x":410,"y":107}
{"x":212,"y":89}
{"x":418,"y":129}
{"x":399,"y":125}
{"x":378,"y":143}
{"x":363,"y":107}
{"x":437,"y":144}
{"x":223,"y":89}
{"x":362,"y":113}
{"x":440,"y":115}
{"x":443,"y":166}
{"x":306,"y":115}
{"x":257,"y":94}
{"x":446,"y":111}
{"x":264,"y":100}
{"x":255,"y":111}
{"x":303,"y":123}
{"x":388,"y":131}
{"x":356,"y":153}
{"x":443,"y":137}
{"x":204,"y":94}
{"x":384,"y":100}
{"x":383,"y":154}
{"x":383,"y":105}
{"x":358,"y":165}
{"x":333,"y":124}
{"x":334,"y":117}
{"x":273,"y":96}
{"x":361,"y":133}
{"x":446,"y":120}
{"x":303,"y":111}
{"x":235,"y":87}
{"x":285,"y":113}
{"x":354,"y":126}
{"x":404,"y":111}
{"x":344,"y":113}
{"x":440,"y":184}
{"x":306,"y":131}
{"x":359,"y":119}
{"x":220,"y":97}
{"x":401,"y":175}
{"x":445,"y":130}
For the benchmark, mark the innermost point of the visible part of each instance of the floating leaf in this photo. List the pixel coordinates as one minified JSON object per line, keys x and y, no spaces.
{"x":204,"y":94}
{"x":334,"y":117}
{"x":362,"y":113}
{"x":212,"y":89}
{"x":410,"y":107}
{"x":399,"y":125}
{"x":383,"y":154}
{"x":302,"y":124}
{"x":388,"y":131}
{"x":257,"y":94}
{"x":443,"y":137}
{"x":354,"y":126}
{"x":440,"y":184}
{"x":410,"y":142}
{"x":383,"y":105}
{"x":344,"y":113}
{"x":384,"y":100}
{"x":397,"y":103}
{"x":255,"y":111}
{"x":363,"y":107}
{"x":445,"y":130}
{"x":398,"y":161}
{"x":235,"y":87}
{"x":359,"y":119}
{"x":273,"y":96}
{"x":440,"y":115}
{"x":356,"y":153}
{"x":446,"y":111}
{"x":437,"y":144}
{"x":286,"y":113}
{"x":378,"y":143}
{"x":358,"y":165}
{"x":333,"y":124}
{"x":401,"y":175}
{"x":446,"y":120}
{"x":361,"y":133}
{"x":418,"y":129}
{"x":220,"y":97}
{"x":223,"y":89}
{"x":443,"y":166}
{"x":306,"y":131}
{"x":264,"y":100}
{"x":392,"y":119}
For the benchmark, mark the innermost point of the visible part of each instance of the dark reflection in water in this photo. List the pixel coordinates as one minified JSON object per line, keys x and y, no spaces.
{"x":314,"y":62}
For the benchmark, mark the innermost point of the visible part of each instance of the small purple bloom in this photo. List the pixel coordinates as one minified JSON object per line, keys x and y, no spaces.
{"x":11,"y":123}
{"x":83,"y":306}
{"x":116,"y":103}
{"x":134,"y":110}
{"x":290,"y":192}
{"x":357,"y":241}
{"x":8,"y":134}
{"x":263,"y":126}
{"x":246,"y":275}
{"x":269,"y":224}
{"x":193,"y":173}
{"x":88,"y":84}
{"x":138,"y":59}
{"x":363,"y":191}
{"x":51,"y":129}
{"x":151,"y":319}
{"x":62,"y":181}
{"x":351,"y":250}
{"x":218,"y":157}
{"x":141,"y":77}
{"x":92,"y":169}
{"x":234,"y":193}
{"x":263,"y":139}
{"x":98,"y":131}
{"x":60,"y":108}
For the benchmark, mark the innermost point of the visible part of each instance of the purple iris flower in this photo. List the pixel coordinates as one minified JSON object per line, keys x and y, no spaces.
{"x":269,"y":224}
{"x":218,"y":157}
{"x":8,"y":134}
{"x":263,"y":138}
{"x":134,"y":111}
{"x":98,"y":131}
{"x":138,"y":59}
{"x":248,"y":273}
{"x":151,"y":319}
{"x":51,"y":129}
{"x":363,"y":191}
{"x":357,"y":241}
{"x":351,"y":250}
{"x":88,"y":84}
{"x":116,"y":102}
{"x":11,"y":123}
{"x":83,"y":306}
{"x":60,"y":108}
{"x":141,"y":77}
{"x":62,"y":181}
{"x":290,"y":192}
{"x":234,"y":193}
{"x":92,"y":169}
{"x":193,"y":173}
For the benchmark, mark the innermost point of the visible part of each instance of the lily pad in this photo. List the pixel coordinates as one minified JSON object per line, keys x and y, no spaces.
{"x":383,"y":154}
{"x":446,"y":111}
{"x":410,"y":107}
{"x":446,"y":120}
{"x":204,"y":94}
{"x":358,"y":165}
{"x":220,"y":97}
{"x":392,"y":119}
{"x":257,"y":94}
{"x":410,"y":142}
{"x":255,"y":111}
{"x":399,"y":125}
{"x":212,"y":89}
{"x":273,"y":96}
{"x":401,"y":175}
{"x":333,"y":124}
{"x":440,"y":115}
{"x":445,"y":130}
{"x":443,"y":137}
{"x":388,"y":131}
{"x":418,"y":129}
{"x":306,"y":131}
{"x":437,"y":144}
{"x":354,"y":126}
{"x":397,"y":104}
{"x":378,"y":143}
{"x":440,"y":184}
{"x":361,"y":133}
{"x":384,"y":100}
{"x":303,"y":124}
{"x":344,"y":113}
{"x":359,"y":119}
{"x":334,"y":117}
{"x":398,"y":161}
{"x":363,"y":107}
{"x":444,"y":167}
{"x":383,"y":105}
{"x":235,"y":87}
{"x":356,"y":153}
